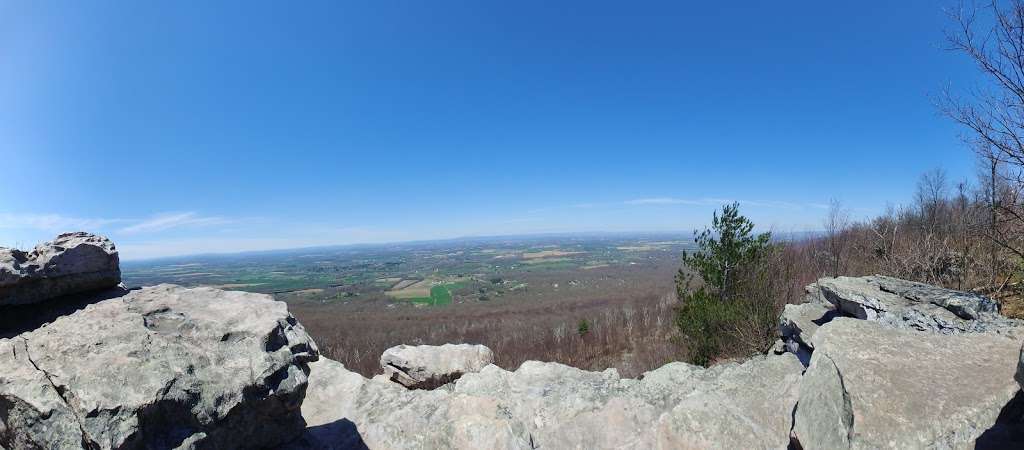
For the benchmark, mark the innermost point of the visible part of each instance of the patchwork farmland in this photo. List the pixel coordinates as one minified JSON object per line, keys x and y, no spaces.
{"x":480,"y":290}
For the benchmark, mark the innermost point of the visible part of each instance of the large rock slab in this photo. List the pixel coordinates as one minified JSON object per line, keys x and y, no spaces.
{"x":430,"y":366}
{"x":798,"y":323}
{"x":72,"y":263}
{"x":918,"y":306}
{"x":160,"y":367}
{"x":870,"y":386}
{"x":344,"y":410}
{"x":549,"y":405}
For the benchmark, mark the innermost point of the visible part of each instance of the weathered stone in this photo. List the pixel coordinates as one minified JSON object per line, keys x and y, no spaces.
{"x":966,"y":305}
{"x":799,"y":322}
{"x":430,"y":366}
{"x":779,"y":347}
{"x":343,"y":410}
{"x":905,"y":304}
{"x":71,"y":263}
{"x":870,"y":386}
{"x":160,"y":367}
{"x":812,"y":294}
{"x":1019,"y":376}
{"x":549,"y":405}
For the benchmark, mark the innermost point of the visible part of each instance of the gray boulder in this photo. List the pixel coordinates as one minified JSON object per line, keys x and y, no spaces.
{"x":430,"y":366}
{"x":1019,"y":376}
{"x":72,"y":263}
{"x":906,"y":304}
{"x":160,"y":367}
{"x":798,"y":323}
{"x":870,"y":386}
{"x":549,"y":405}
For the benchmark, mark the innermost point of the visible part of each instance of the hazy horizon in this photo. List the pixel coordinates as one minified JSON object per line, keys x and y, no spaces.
{"x":180,"y":129}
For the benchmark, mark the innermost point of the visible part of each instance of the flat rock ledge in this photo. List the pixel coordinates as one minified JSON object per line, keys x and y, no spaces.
{"x":870,"y":386}
{"x":549,"y":405}
{"x":432,"y":366}
{"x":916,"y":306}
{"x":72,"y":263}
{"x":159,"y":367}
{"x":893,"y":303}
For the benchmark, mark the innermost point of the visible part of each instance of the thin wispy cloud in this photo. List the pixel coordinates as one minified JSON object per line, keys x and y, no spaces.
{"x":665,"y":201}
{"x":722,"y":201}
{"x":299,"y":236}
{"x":53,"y":222}
{"x":167,"y":221}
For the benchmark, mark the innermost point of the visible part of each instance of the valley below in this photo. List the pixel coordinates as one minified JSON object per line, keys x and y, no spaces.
{"x":592,"y":302}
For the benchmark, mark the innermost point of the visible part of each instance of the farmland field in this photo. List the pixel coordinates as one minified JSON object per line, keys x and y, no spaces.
{"x":358,"y":300}
{"x":439,"y":295}
{"x":425,"y":274}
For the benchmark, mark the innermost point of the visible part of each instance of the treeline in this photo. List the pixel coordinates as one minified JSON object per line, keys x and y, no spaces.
{"x":966,"y":235}
{"x":963,"y":235}
{"x":956,"y":236}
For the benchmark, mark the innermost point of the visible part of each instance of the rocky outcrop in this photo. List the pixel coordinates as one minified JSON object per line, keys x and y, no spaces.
{"x":797,"y":324}
{"x":71,"y":263}
{"x":549,"y":405}
{"x":917,"y":306}
{"x":430,"y":366}
{"x":159,"y":367}
{"x":872,"y":386}
{"x":872,"y":383}
{"x":895,"y":364}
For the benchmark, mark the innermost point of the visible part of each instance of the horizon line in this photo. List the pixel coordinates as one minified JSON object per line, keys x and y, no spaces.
{"x":452,"y":239}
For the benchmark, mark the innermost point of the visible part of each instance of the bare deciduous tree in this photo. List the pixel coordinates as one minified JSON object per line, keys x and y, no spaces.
{"x":836,"y":224}
{"x":993,"y":37}
{"x":931,"y":193}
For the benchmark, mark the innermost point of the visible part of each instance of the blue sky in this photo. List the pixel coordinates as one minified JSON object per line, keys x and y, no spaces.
{"x":187,"y":127}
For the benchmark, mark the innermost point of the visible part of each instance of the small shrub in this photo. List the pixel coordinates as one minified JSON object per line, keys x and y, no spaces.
{"x":744,"y":278}
{"x":705,"y":321}
{"x":583,"y":327}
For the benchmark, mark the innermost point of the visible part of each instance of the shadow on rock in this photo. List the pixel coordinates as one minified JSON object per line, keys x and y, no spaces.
{"x":829,"y":315}
{"x":18,"y":319}
{"x":1008,"y":431}
{"x":341,"y":434}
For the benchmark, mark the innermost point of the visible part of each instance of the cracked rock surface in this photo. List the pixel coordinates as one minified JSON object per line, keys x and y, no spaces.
{"x":550,"y":405}
{"x":431,"y":366}
{"x":71,"y":263}
{"x":906,"y":304}
{"x":869,"y":386}
{"x":159,"y":367}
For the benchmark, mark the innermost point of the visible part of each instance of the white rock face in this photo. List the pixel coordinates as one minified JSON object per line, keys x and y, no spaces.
{"x":917,"y":306}
{"x":870,"y":386}
{"x":430,"y":366}
{"x":160,"y":367}
{"x":549,"y":405}
{"x":70,"y":264}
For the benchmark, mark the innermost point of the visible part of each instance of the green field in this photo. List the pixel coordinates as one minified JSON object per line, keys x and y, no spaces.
{"x":450,"y":273}
{"x":439,"y":295}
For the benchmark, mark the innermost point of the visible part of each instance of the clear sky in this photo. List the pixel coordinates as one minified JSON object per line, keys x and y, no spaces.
{"x":195,"y":126}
